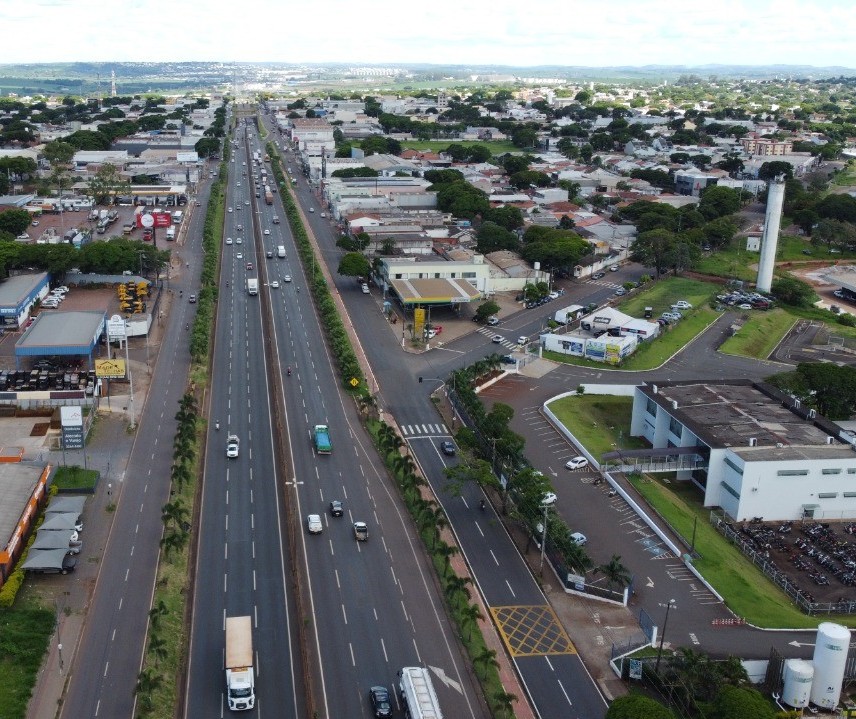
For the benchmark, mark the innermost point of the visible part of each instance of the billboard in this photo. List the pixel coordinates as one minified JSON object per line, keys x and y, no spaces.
{"x":110,"y":369}
{"x":162,"y":219}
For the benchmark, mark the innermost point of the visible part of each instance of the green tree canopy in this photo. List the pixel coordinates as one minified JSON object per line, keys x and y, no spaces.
{"x":791,"y":291}
{"x":355,"y":172}
{"x":638,"y":706}
{"x":14,"y":221}
{"x":58,"y":152}
{"x":511,"y":218}
{"x":486,"y":309}
{"x":719,"y":201}
{"x":741,"y":703}
{"x":774,"y":168}
{"x":492,"y":237}
{"x":353,"y":264}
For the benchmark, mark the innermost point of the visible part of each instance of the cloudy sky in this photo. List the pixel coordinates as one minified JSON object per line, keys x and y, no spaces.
{"x":538,"y":32}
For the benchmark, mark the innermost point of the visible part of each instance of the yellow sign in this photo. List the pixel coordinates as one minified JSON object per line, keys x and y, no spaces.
{"x":354,"y":381}
{"x":418,"y":321}
{"x":110,"y":369}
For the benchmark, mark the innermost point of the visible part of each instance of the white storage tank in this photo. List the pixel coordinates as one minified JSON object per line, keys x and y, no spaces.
{"x":798,"y":677}
{"x":830,"y":657}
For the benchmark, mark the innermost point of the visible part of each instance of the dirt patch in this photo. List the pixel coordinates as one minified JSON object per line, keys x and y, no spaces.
{"x":40,"y":429}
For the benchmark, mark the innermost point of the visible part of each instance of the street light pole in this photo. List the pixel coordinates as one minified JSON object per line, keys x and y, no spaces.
{"x":663,"y":633}
{"x":130,"y":378}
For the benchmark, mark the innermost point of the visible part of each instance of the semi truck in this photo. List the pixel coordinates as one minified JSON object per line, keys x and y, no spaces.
{"x":417,"y":694}
{"x":252,"y":285}
{"x":323,"y":445}
{"x":268,"y":195}
{"x":240,"y":681}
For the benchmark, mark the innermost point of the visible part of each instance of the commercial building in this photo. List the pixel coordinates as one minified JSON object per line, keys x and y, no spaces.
{"x":749,"y":449}
{"x":55,"y":334}
{"x":765,"y":146}
{"x":18,"y":294}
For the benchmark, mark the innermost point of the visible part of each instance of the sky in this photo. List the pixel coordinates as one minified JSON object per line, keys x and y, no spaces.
{"x":378,"y":32}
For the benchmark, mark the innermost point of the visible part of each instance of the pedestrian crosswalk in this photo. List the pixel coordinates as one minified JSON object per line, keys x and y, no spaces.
{"x":412,"y":431}
{"x":604,"y":283}
{"x":491,"y":332}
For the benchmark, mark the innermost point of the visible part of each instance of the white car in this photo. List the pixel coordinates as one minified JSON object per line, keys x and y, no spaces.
{"x":312,"y":209}
{"x":246,"y":203}
{"x":232,"y":446}
{"x":267,"y":232}
{"x":230,"y":209}
{"x":313,"y":524}
{"x":239,"y":256}
{"x":61,"y":288}
{"x":275,"y":284}
{"x":228,"y":240}
{"x":522,"y":340}
{"x":239,"y":184}
{"x":323,"y":214}
{"x":576,"y":463}
{"x":548,"y":499}
{"x":287,"y":278}
{"x":682,"y":305}
{"x":239,"y":241}
{"x":578,"y":538}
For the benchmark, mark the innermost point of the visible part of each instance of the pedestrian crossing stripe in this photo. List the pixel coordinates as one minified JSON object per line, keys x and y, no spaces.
{"x":411,"y":430}
{"x":489,"y":332}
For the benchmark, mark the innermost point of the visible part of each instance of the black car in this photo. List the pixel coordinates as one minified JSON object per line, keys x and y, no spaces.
{"x":448,"y":448}
{"x":336,"y":509}
{"x":598,"y":275}
{"x":379,"y":699}
{"x":508,"y":359}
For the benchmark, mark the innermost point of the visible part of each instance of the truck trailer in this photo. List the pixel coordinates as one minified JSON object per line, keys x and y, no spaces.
{"x":417,"y":694}
{"x":252,"y":285}
{"x":323,"y":445}
{"x":240,"y":681}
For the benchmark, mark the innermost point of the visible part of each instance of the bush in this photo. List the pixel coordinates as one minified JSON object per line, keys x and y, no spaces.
{"x":10,"y":588}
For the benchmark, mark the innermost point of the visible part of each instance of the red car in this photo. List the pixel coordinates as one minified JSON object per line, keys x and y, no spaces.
{"x":249,"y":265}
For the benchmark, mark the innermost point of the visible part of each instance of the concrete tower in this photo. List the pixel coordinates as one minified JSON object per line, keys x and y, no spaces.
{"x":772,"y":220}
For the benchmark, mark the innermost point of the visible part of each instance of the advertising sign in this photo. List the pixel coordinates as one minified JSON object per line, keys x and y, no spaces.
{"x":72,"y":437}
{"x":71,"y":416}
{"x":418,"y":321}
{"x":116,"y":328}
{"x":163,"y":219}
{"x":635,"y":669}
{"x":110,"y":368}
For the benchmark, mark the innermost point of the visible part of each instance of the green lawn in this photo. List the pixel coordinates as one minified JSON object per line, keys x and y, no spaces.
{"x":497,"y":147}
{"x":847,"y":176}
{"x":663,"y":294}
{"x":75,"y":478}
{"x":745,"y":589}
{"x":26,"y":630}
{"x":600,"y":422}
{"x":760,"y":334}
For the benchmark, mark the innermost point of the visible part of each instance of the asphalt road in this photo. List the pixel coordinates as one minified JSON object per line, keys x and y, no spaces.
{"x":104,"y":674}
{"x":375,"y":607}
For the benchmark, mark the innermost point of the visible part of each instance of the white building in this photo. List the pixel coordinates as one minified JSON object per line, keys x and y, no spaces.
{"x":749,"y":448}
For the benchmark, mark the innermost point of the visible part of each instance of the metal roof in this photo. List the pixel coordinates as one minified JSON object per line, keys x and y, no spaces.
{"x":434,"y":291}
{"x":14,"y":291}
{"x":66,"y":504}
{"x":45,"y":559}
{"x":62,"y":333}
{"x":53,"y":540}
{"x":17,"y":483}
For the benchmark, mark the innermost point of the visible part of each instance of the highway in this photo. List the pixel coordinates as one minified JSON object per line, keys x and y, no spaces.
{"x":373,"y":607}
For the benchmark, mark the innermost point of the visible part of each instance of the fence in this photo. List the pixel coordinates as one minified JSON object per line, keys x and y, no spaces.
{"x":775,"y":575}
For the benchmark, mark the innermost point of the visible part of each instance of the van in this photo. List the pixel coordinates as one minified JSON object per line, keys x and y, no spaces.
{"x":280,"y":251}
{"x":275,"y":220}
{"x":170,"y":233}
{"x":177,"y":217}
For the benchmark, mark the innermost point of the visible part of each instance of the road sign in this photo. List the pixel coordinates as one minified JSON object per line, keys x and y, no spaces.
{"x":354,"y":382}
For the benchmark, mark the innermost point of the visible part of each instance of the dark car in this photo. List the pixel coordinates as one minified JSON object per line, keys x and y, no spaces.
{"x":448,"y":448}
{"x":379,"y":699}
{"x":336,"y":509}
{"x":598,"y":275}
{"x":508,"y":359}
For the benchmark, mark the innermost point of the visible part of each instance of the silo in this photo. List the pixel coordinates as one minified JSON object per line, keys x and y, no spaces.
{"x":799,"y":674}
{"x":830,"y":657}
{"x":770,"y":240}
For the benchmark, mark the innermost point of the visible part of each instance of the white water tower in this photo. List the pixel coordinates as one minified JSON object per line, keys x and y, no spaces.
{"x":798,"y":677}
{"x":770,"y":240}
{"x":830,"y":658}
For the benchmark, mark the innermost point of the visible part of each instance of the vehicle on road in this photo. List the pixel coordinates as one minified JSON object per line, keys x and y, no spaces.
{"x":417,"y":693}
{"x":239,"y":255}
{"x":249,"y":266}
{"x":336,"y":508}
{"x":323,"y":445}
{"x":364,"y":288}
{"x":576,"y":463}
{"x":620,"y":291}
{"x":192,"y":299}
{"x":252,"y":285}
{"x":313,"y":524}
{"x":497,"y":339}
{"x":312,"y":209}
{"x":578,"y":538}
{"x":229,"y":210}
{"x":493,"y":321}
{"x":614,"y":268}
{"x":448,"y":448}
{"x":267,"y":232}
{"x":269,"y":254}
{"x":361,"y":531}
{"x":275,"y":284}
{"x":508,"y":359}
{"x":548,"y":499}
{"x":228,"y":240}
{"x":598,"y":275}
{"x":287,"y":278}
{"x":522,"y":340}
{"x":280,"y":251}
{"x":240,"y":679}
{"x":238,"y":241}
{"x":232,"y":445}
{"x":379,"y":699}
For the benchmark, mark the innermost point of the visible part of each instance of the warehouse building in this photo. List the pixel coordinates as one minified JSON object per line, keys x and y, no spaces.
{"x":749,"y":448}
{"x":55,"y":334}
{"x":18,"y":294}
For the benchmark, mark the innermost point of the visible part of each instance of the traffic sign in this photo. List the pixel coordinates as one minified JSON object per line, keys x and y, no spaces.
{"x":354,"y":381}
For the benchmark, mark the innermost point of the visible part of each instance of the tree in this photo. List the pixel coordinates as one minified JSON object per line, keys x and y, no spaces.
{"x":791,"y":291}
{"x":524,"y":137}
{"x":207,"y":146}
{"x":834,"y":233}
{"x":837,"y":207}
{"x":637,"y":706}
{"x":731,"y":163}
{"x":511,"y":218}
{"x":107,"y":185}
{"x":830,"y":387}
{"x":491,"y":237}
{"x":526,"y":178}
{"x":719,"y":201}
{"x":616,"y":574}
{"x":14,"y":221}
{"x":740,"y":703}
{"x":485,"y":659}
{"x":486,"y":309}
{"x":354,"y":264}
{"x":58,"y":152}
{"x":771,"y":170}
{"x":654,"y":249}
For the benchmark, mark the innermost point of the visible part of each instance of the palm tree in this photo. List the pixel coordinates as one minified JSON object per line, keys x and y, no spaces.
{"x":446,"y":551}
{"x":157,"y":647}
{"x":456,"y":587}
{"x":174,"y":513}
{"x":503,"y":703}
{"x":156,"y":612}
{"x":147,"y":683}
{"x":180,"y":474}
{"x":485,"y":659}
{"x":470,"y":616}
{"x":402,"y":465}
{"x":615,"y":572}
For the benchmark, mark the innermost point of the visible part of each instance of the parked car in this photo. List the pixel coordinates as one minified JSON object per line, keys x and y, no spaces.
{"x":576,"y":463}
{"x":508,"y":359}
{"x":493,"y":321}
{"x":682,"y":305}
{"x":578,"y":538}
{"x":614,"y":268}
{"x":620,"y":291}
{"x":548,"y":499}
{"x":598,"y":275}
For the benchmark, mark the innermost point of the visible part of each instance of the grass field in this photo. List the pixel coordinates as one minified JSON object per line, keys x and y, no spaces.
{"x":760,"y":334}
{"x":745,"y":589}
{"x":75,"y":478}
{"x":663,"y":294}
{"x":600,"y":422}
{"x":847,"y":176}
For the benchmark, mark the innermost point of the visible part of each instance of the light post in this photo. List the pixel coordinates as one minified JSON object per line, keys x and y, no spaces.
{"x":545,"y":506}
{"x":668,"y":606}
{"x":59,"y":648}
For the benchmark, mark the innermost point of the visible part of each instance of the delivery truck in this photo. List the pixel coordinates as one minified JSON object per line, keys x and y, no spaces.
{"x":417,"y":694}
{"x":252,"y":285}
{"x":322,"y":439}
{"x":240,"y":680}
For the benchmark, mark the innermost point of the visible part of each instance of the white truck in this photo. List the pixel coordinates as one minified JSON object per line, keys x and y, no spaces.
{"x":252,"y":285}
{"x":417,"y":694}
{"x":240,"y":683}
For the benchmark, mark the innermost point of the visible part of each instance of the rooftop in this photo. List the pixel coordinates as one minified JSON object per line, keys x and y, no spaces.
{"x":15,"y":290}
{"x":63,"y":329}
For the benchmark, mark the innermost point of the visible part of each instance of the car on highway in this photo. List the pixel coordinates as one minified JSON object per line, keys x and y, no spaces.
{"x":228,"y":240}
{"x":381,"y":705}
{"x":522,"y":340}
{"x":323,"y":214}
{"x":229,"y":210}
{"x":232,"y":445}
{"x":249,"y":265}
{"x":239,"y":228}
{"x":313,"y":524}
{"x":548,"y":499}
{"x":275,"y":284}
{"x":192,"y":299}
{"x":287,"y":278}
{"x":336,"y":508}
{"x":239,"y":241}
{"x":269,"y":254}
{"x":361,"y":531}
{"x":246,"y":203}
{"x":496,"y":339}
{"x":364,"y":288}
{"x":448,"y":448}
{"x":267,"y":232}
{"x":576,"y":463}
{"x":312,"y":209}
{"x":239,"y":256}
{"x":493,"y":321}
